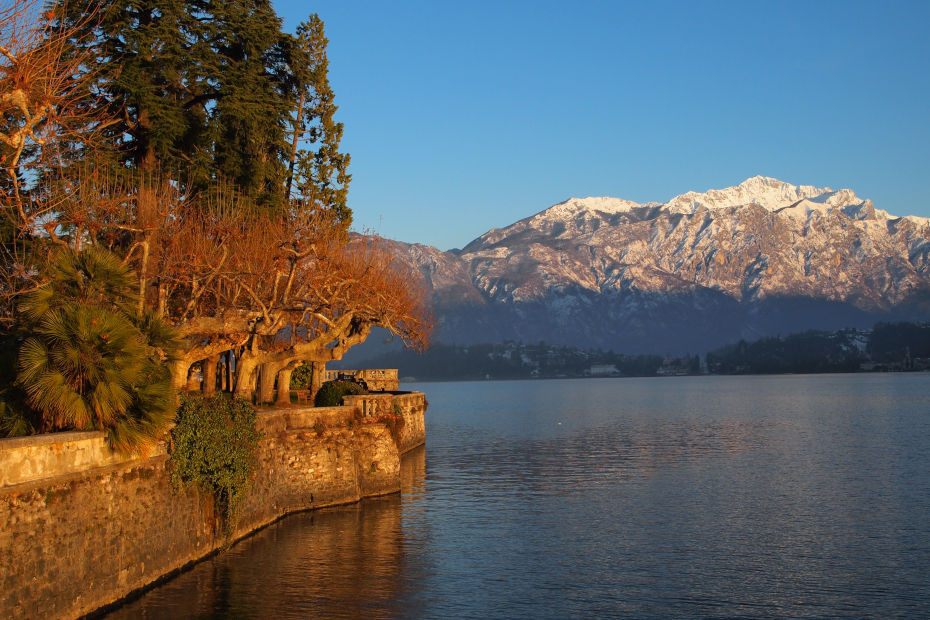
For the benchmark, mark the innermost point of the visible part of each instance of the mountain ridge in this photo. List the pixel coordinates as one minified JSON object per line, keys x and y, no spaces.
{"x":716,"y":265}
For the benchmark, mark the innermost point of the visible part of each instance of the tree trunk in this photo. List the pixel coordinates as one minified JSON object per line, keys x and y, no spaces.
{"x":193,"y":383}
{"x":179,"y":374}
{"x":317,"y":376}
{"x":146,"y":201}
{"x":290,"y":169}
{"x":209,"y":375}
{"x":245,"y":368}
{"x":284,"y":387}
{"x":266,"y":384}
{"x":143,"y":269}
{"x":228,"y":372}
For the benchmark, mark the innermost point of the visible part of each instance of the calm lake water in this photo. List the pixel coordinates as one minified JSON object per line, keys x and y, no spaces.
{"x":683,"y":496}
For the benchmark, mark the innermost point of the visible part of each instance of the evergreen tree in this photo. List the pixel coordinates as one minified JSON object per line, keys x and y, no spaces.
{"x":206,"y":92}
{"x":153,"y":71}
{"x":251,"y":105}
{"x":320,"y":173}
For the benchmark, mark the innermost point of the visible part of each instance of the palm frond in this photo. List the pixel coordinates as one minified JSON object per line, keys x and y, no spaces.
{"x":91,"y":362}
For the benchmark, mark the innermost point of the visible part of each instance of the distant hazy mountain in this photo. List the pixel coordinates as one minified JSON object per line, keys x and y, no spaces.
{"x":762,"y":258}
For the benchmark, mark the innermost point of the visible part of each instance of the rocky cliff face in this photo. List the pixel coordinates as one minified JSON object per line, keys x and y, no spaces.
{"x":760,"y":258}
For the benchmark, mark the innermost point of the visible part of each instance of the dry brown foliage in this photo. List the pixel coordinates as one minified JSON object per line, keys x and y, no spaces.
{"x":275,"y":287}
{"x":46,"y":111}
{"x":291,"y":287}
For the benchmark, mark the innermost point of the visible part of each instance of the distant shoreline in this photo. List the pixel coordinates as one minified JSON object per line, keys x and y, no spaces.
{"x":404,"y":380}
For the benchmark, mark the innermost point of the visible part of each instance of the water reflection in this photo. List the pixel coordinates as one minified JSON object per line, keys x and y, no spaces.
{"x":717,"y":496}
{"x":342,"y":562}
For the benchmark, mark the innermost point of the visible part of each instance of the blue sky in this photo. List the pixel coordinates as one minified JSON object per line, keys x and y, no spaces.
{"x":462,"y":117}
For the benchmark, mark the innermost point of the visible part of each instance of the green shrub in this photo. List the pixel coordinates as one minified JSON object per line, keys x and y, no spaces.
{"x":331,"y":393}
{"x":213,"y":446}
{"x":300,"y":378}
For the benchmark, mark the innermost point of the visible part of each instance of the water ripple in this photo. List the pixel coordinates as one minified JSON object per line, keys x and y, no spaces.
{"x":679,"y":497}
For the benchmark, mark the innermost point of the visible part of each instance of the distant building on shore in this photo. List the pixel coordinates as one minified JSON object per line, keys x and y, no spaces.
{"x":603,"y":370}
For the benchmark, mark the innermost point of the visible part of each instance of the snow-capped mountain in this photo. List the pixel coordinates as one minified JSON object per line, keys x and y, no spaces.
{"x":761,"y":258}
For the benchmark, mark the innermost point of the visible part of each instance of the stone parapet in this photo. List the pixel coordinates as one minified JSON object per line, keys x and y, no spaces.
{"x":307,"y":418}
{"x":404,"y":410}
{"x":25,"y":459}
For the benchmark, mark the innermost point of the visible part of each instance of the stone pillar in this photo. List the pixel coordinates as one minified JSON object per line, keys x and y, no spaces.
{"x":284,"y":387}
{"x":209,"y":375}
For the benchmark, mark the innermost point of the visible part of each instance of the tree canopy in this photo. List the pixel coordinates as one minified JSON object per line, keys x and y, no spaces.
{"x":195,"y":143}
{"x":215,"y":91}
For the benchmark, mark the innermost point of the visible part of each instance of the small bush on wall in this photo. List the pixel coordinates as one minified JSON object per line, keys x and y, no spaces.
{"x":213,"y":446}
{"x":331,"y":392}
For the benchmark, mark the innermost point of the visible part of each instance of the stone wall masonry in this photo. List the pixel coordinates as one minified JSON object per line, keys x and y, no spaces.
{"x":24,"y":459}
{"x":411,"y":406}
{"x":82,"y":527}
{"x":413,"y":434}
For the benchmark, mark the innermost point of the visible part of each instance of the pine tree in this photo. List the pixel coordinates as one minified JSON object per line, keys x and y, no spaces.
{"x":196,"y":89}
{"x":320,"y":173}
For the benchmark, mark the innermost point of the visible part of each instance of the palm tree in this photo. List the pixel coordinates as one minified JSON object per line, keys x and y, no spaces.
{"x":91,"y":362}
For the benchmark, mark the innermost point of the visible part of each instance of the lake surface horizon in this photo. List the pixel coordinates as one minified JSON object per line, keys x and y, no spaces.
{"x":760,"y":495}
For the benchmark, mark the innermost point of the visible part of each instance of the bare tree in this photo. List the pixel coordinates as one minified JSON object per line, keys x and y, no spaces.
{"x":280,"y":290}
{"x":46,"y":112}
{"x":273,"y":286}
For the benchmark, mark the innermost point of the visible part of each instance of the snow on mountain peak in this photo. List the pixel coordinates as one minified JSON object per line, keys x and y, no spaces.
{"x":599,"y":264}
{"x":769,"y":193}
{"x":573,"y":206}
{"x":797,"y":202}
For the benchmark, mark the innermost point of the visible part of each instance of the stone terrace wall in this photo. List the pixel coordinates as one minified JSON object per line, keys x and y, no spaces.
{"x":82,"y":527}
{"x":23,"y":459}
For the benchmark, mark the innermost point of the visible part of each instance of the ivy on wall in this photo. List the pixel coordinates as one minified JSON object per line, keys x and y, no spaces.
{"x":214,"y":447}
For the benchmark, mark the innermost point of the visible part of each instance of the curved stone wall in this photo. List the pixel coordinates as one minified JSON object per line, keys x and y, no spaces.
{"x":82,"y":527}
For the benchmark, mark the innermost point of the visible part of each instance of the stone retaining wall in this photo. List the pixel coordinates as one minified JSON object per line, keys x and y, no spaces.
{"x":409,"y":407}
{"x":24,"y":459}
{"x":82,"y":527}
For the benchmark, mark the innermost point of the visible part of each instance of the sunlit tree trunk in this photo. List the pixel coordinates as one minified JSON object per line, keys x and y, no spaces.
{"x":209,"y":375}
{"x":266,"y":383}
{"x":179,"y":374}
{"x":284,"y":386}
{"x":317,"y":377}
{"x":245,"y":371}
